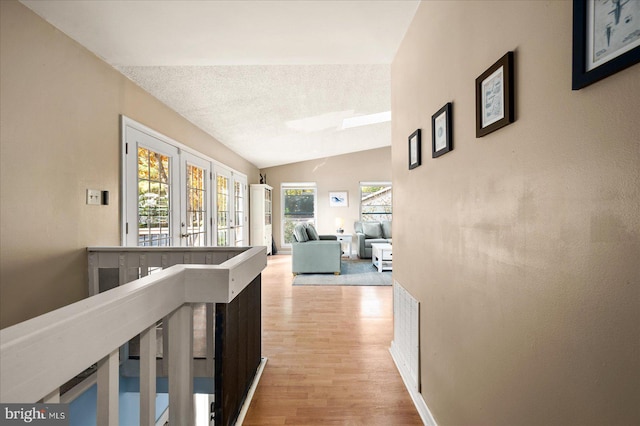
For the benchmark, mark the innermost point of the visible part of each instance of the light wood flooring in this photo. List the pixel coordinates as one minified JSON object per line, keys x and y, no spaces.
{"x":328,"y":355}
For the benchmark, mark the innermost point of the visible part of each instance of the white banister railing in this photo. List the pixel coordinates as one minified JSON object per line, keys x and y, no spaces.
{"x":39,"y":355}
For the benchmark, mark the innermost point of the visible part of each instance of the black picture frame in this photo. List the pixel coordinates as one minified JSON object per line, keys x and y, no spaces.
{"x":585,"y":74}
{"x":415,"y":150}
{"x":441,"y":131}
{"x":495,"y":96}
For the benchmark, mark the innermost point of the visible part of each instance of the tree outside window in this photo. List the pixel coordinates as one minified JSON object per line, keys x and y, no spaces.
{"x":376,"y":202}
{"x":298,"y":207}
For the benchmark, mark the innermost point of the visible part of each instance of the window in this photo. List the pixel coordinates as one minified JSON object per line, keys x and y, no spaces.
{"x":298,"y":206}
{"x":376,"y":201}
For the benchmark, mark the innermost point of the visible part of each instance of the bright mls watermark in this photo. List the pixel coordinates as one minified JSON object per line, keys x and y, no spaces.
{"x":34,"y":414}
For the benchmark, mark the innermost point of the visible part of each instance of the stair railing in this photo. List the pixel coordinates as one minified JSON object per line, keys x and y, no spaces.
{"x":40,"y":355}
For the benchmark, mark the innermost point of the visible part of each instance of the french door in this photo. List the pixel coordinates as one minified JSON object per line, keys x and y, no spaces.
{"x":195,"y":209}
{"x":151,"y":194}
{"x":174,"y":197}
{"x":224,"y":222}
{"x":240,"y":212}
{"x":231,"y":208}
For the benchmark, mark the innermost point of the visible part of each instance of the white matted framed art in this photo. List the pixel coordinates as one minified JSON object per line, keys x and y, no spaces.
{"x":338,"y":199}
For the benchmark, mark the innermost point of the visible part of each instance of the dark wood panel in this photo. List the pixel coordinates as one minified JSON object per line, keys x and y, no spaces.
{"x":238,"y":351}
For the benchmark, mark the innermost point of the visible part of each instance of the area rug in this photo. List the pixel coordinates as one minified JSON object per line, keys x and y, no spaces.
{"x":352,"y":272}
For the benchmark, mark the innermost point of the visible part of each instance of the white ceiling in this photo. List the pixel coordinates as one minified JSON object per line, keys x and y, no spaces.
{"x":272,"y":80}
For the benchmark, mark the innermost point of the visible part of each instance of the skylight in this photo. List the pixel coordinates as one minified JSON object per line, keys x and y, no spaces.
{"x":365,"y":120}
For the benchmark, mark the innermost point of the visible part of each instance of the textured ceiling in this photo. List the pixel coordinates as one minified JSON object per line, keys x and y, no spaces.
{"x":272,"y":80}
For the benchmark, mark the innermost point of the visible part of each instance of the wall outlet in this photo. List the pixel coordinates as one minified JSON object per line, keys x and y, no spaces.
{"x":94,"y":197}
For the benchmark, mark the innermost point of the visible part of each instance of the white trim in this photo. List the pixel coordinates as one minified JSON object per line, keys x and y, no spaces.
{"x":79,"y":389}
{"x":252,"y":391}
{"x":416,"y":397}
{"x":377,"y":183}
{"x":299,"y":185}
{"x":164,"y":417}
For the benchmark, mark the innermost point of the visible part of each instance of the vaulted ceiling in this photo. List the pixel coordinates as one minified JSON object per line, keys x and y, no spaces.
{"x":272,"y":80}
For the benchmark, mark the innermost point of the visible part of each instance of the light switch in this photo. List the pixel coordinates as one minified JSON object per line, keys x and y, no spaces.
{"x":94,"y":197}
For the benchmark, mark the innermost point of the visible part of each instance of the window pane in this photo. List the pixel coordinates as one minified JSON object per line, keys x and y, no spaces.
{"x":153,"y":199}
{"x":299,"y":206}
{"x":376,"y":203}
{"x":196,"y":212}
{"x":222,"y":198}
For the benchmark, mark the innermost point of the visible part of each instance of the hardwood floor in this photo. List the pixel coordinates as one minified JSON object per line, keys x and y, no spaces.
{"x":328,"y":355}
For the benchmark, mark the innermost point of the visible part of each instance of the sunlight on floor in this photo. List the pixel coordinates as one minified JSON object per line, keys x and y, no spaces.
{"x":371,"y":304}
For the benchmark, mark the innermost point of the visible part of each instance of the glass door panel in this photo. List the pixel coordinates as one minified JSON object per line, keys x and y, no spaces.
{"x":195,"y":234}
{"x":195,"y":212}
{"x":154,"y":192}
{"x":223,"y":210}
{"x":239,"y":197}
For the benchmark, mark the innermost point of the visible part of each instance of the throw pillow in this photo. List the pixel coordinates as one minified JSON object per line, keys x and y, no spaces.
{"x":386,"y":228}
{"x":300,"y":233}
{"x":372,"y":229}
{"x":312,"y":233}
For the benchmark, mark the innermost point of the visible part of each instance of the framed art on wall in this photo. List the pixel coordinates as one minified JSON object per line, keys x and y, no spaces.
{"x":606,"y":39}
{"x":441,"y":136}
{"x":415,"y":154}
{"x":495,"y":95}
{"x":338,"y":199}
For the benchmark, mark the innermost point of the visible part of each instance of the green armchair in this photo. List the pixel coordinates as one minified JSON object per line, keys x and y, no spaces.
{"x":312,"y":253}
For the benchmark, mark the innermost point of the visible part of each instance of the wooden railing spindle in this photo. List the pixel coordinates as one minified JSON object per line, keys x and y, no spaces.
{"x":180,"y":327}
{"x":108,"y":380}
{"x":148,"y":376}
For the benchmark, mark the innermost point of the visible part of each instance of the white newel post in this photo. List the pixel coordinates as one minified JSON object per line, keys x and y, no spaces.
{"x":108,"y":377}
{"x":180,"y":327}
{"x":148,"y":376}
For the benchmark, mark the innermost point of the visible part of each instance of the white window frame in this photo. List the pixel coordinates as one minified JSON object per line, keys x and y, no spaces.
{"x":296,"y":185}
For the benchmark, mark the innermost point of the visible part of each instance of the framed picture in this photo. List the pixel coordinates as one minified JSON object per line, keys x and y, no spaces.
{"x":415,"y":154}
{"x":495,"y":106}
{"x":338,"y":199}
{"x":441,"y":136}
{"x":606,"y":39}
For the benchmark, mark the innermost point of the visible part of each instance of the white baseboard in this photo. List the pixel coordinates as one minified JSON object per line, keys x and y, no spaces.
{"x":416,"y":397}
{"x":252,"y":390}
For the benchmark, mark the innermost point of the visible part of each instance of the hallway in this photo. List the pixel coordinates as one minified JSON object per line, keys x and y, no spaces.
{"x":328,"y":355}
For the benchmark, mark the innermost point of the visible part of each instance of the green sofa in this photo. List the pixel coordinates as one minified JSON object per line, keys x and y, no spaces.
{"x":312,"y":253}
{"x":369,"y":233}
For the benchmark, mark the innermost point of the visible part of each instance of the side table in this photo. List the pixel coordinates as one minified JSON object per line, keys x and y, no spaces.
{"x":348,"y":239}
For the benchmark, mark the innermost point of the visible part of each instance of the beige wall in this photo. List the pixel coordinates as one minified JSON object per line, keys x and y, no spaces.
{"x":339,"y":173}
{"x":59,"y":111}
{"x":523,"y":246}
